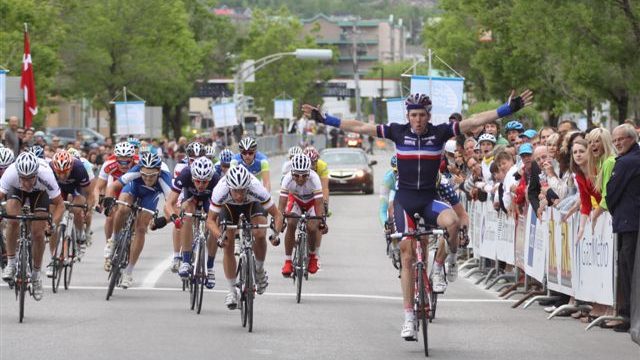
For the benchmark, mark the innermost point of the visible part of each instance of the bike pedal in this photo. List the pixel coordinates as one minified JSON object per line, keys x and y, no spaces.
{"x":410,"y":339}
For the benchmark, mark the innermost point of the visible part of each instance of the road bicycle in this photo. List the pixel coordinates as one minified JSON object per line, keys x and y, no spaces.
{"x":67,"y":248}
{"x":198,"y":278}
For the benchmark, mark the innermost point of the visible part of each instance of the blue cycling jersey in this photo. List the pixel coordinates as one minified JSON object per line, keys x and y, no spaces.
{"x":148,"y":195}
{"x":418,"y":155}
{"x":77,"y":179}
{"x":184,"y":183}
{"x":260,"y":163}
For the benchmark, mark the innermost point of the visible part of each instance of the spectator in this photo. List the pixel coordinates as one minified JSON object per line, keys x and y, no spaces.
{"x":494,"y":129}
{"x":566,"y":126}
{"x":525,"y":151}
{"x":20,"y":133}
{"x":528,"y":136}
{"x":487,"y":143}
{"x":538,"y":180}
{"x":586,"y":188}
{"x":507,"y":165}
{"x":601,"y":160}
{"x":514,"y":129}
{"x":623,"y":200}
{"x":11,"y":138}
{"x":545,"y":133}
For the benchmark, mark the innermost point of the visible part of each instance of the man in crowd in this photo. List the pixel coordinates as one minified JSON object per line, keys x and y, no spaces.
{"x":11,"y":135}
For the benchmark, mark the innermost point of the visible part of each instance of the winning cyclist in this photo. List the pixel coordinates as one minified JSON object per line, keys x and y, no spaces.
{"x":144,"y":182}
{"x":419,"y":147}
{"x":237,"y":193}
{"x":195,"y":185}
{"x":29,"y":181}
{"x":255,"y":161}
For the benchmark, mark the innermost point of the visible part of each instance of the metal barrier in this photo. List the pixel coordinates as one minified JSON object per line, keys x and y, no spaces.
{"x":280,"y":144}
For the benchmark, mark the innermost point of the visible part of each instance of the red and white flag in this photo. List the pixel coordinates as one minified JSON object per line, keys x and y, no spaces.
{"x":27,"y":84}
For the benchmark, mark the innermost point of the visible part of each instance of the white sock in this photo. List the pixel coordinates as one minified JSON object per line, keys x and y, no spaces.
{"x":129,"y":269}
{"x":437,"y":267}
{"x":177,"y":255}
{"x":35,"y":274}
{"x":451,"y":258}
{"x":288,"y":257}
{"x":232,"y":283}
{"x":408,"y":315}
{"x":259,"y":265}
{"x":317,"y":251}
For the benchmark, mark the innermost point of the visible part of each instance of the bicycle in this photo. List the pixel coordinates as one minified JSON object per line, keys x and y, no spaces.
{"x":198,"y":277}
{"x":66,"y":253}
{"x":246,"y":269}
{"x":301,"y":251}
{"x":423,"y":297}
{"x":393,"y":248}
{"x":22,"y":280}
{"x":120,"y":255}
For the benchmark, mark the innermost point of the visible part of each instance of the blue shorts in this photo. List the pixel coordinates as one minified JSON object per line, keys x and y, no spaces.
{"x":409,"y":202}
{"x":198,"y":200}
{"x":148,"y":197}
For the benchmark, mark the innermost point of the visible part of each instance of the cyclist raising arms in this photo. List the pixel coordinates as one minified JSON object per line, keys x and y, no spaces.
{"x":237,"y":193}
{"x":301,"y":191}
{"x":419,"y":147}
{"x":255,"y":161}
{"x":144,"y":182}
{"x":195,"y":185}
{"x":29,"y":181}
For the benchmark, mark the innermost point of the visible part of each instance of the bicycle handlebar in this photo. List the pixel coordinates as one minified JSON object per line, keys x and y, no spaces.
{"x":418,"y":233}
{"x":27,"y":217}
{"x":136,"y":207}
{"x":304,"y":216}
{"x":200,"y":215}
{"x":68,"y":205}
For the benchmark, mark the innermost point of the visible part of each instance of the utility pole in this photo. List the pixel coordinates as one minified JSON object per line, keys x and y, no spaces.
{"x":356,"y":74}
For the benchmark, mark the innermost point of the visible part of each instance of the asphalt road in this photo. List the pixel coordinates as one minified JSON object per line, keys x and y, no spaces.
{"x":351,"y":309}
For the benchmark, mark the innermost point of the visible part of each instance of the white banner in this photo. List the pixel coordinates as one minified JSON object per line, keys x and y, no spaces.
{"x":3,"y":96}
{"x":478,"y":227}
{"x":534,"y":245}
{"x":490,"y":232}
{"x":560,"y":255}
{"x":446,"y":95}
{"x":506,"y":242}
{"x":594,"y":273}
{"x":283,"y":109}
{"x":130,"y":118}
{"x":396,"y":112}
{"x":224,"y":115}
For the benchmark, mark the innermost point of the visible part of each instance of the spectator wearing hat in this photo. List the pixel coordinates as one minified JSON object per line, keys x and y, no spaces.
{"x":487,"y":143}
{"x":525,"y":152}
{"x":528,"y":135}
{"x":39,"y":138}
{"x":623,"y":200}
{"x":513,"y":129}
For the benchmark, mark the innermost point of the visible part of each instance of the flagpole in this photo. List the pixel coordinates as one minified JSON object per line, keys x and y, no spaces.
{"x":24,"y":112}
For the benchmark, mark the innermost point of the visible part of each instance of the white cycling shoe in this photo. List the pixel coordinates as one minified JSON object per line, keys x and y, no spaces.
{"x":408,"y":331}
{"x":439,"y":282}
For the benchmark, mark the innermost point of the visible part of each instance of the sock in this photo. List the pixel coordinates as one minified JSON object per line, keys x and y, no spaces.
{"x":437,"y":266}
{"x":35,"y":274}
{"x":186,"y":256}
{"x":176,"y":255}
{"x":317,"y":251}
{"x":288,"y":257}
{"x":451,"y":258}
{"x":11,"y":260}
{"x":129,"y":269}
{"x":259,"y":265}
{"x":232,"y":283}
{"x":210,"y":260}
{"x":408,"y":315}
{"x":80,"y":233}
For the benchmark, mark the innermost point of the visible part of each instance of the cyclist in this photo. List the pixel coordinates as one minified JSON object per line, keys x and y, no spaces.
{"x":37,"y":150}
{"x":419,"y":147}
{"x":210,"y":152}
{"x":223,"y":165}
{"x":255,"y":161}
{"x":73,"y":180}
{"x":6,"y":158}
{"x":135,"y":142}
{"x":124,"y":159}
{"x":92,"y":200}
{"x":195,"y":185}
{"x":29,"y":181}
{"x":304,"y":187}
{"x":286,"y":166}
{"x":145,"y":182}
{"x":322,"y":169}
{"x":237,"y":193}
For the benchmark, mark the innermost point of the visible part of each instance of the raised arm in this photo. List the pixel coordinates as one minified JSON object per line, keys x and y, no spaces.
{"x":311,"y":112}
{"x":513,"y":105}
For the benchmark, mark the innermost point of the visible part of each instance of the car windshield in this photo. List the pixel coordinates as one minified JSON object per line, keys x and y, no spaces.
{"x":339,"y":158}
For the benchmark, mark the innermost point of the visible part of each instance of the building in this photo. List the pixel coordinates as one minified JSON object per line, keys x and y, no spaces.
{"x":375,"y":41}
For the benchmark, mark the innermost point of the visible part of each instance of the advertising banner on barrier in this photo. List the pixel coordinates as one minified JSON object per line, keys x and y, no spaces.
{"x":535,"y":242}
{"x":595,"y":255}
{"x":489,"y":234}
{"x":560,"y":255}
{"x":3,"y":96}
{"x":521,"y":229}
{"x":478,"y":228}
{"x":505,"y":246}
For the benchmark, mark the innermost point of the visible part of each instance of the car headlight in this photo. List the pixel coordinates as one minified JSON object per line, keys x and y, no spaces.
{"x":360,"y":173}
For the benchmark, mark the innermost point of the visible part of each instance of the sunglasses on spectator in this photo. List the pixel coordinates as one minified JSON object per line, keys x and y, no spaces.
{"x":248,"y":152}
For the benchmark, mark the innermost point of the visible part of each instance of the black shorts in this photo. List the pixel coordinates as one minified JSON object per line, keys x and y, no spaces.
{"x":37,"y":200}
{"x":232,"y":212}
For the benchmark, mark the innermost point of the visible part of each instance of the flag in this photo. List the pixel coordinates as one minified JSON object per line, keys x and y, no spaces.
{"x":27,"y":83}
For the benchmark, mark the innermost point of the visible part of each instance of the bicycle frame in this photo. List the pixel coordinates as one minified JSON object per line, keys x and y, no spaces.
{"x":198,"y":277}
{"x":301,"y":251}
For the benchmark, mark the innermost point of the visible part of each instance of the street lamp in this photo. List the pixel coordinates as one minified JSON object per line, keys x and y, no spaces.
{"x":246,"y":71}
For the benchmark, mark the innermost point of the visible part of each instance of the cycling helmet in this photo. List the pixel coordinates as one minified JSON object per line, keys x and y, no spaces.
{"x":37,"y":150}
{"x":62,"y":161}
{"x":39,"y":134}
{"x":418,"y":101}
{"x":210,"y":151}
{"x":202,"y":169}
{"x":300,"y":164}
{"x":195,"y":150}
{"x":134,"y":141}
{"x":150,"y":160}
{"x":514,"y":125}
{"x":294,"y":150}
{"x":74,"y":152}
{"x":124,"y":149}
{"x":312,"y":153}
{"x":247,"y":144}
{"x":226,"y":156}
{"x":6,"y":157}
{"x":238,"y":178}
{"x":487,"y":137}
{"x":27,"y":164}
{"x":394,"y":162}
{"x":450,"y":146}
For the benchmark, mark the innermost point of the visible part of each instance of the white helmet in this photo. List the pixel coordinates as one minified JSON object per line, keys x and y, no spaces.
{"x":238,"y":178}
{"x":210,"y":151}
{"x":450,"y":146}
{"x":247,"y":143}
{"x":300,"y":164}
{"x":6,"y":157}
{"x":124,"y":149}
{"x":294,"y":150}
{"x":27,"y":164}
{"x":487,"y":137}
{"x":202,"y":169}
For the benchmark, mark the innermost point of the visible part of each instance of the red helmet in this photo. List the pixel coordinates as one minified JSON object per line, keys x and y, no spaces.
{"x":312,"y":153}
{"x":62,"y":161}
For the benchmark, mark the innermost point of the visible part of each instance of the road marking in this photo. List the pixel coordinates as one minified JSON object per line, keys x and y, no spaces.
{"x":312,"y":295}
{"x":155,"y":274}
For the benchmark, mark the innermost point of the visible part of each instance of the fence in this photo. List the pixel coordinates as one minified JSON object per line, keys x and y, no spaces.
{"x":547,"y":250}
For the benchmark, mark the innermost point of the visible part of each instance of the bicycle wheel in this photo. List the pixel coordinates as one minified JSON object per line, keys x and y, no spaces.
{"x":299,"y":270}
{"x":250,"y":289}
{"x":423,"y":306}
{"x":22,"y":279}
{"x":433,"y":302}
{"x":118,"y":256}
{"x":242,"y":283}
{"x":58,"y":259}
{"x":70,"y":257}
{"x":201,"y":276}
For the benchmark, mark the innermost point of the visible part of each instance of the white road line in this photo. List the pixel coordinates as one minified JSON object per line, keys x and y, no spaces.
{"x":313,"y":295}
{"x":155,"y":274}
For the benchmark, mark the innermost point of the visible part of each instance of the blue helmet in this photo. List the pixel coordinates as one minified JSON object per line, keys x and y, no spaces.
{"x":514,"y":125}
{"x":134,"y":141}
{"x":394,"y":162}
{"x":150,"y":160}
{"x":226,"y":156}
{"x":37,"y":150}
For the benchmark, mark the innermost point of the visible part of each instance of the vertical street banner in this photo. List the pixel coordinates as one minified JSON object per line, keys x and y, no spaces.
{"x":224,"y":115}
{"x":396,"y":112}
{"x":445,"y":93}
{"x":130,"y":119}
{"x":27,"y":83}
{"x":283,"y":109}
{"x":3,"y":96}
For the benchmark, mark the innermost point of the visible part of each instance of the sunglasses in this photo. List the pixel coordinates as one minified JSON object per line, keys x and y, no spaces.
{"x":298,"y":176}
{"x":149,"y":175}
{"x":248,"y":152}
{"x":28,"y":178}
{"x":124,"y":162}
{"x":61,"y":172}
{"x":200,"y":182}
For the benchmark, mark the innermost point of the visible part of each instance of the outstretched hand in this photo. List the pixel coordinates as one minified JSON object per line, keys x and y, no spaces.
{"x":519,"y":102}
{"x":312,"y":112}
